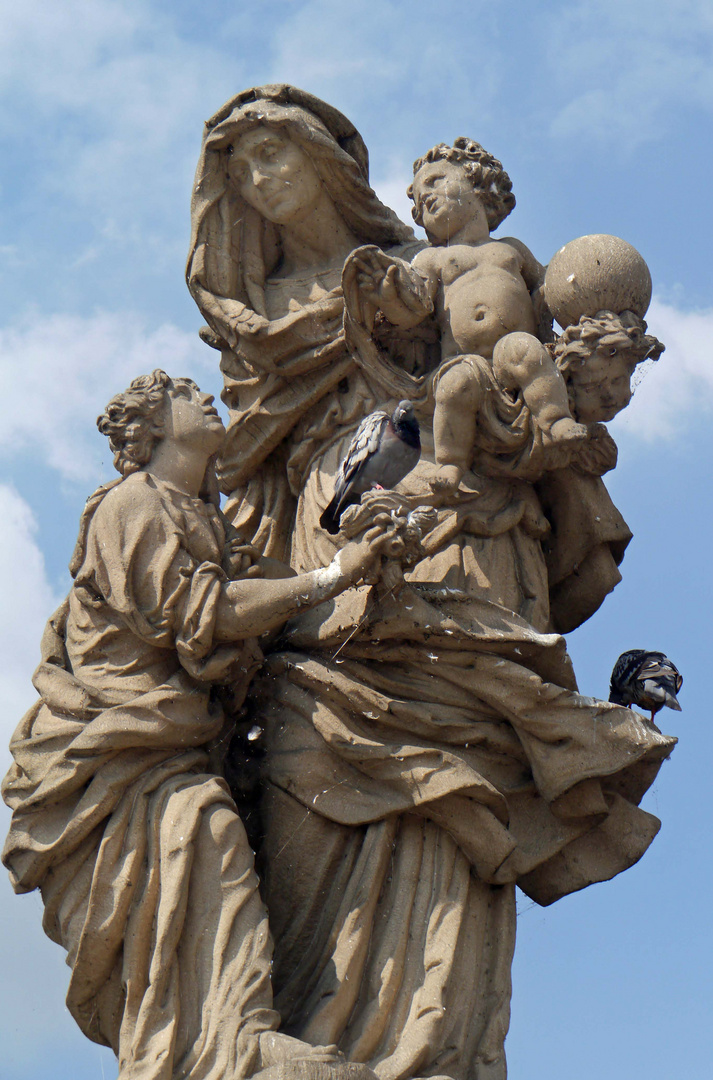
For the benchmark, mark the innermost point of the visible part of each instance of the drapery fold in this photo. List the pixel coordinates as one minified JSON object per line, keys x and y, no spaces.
{"x":137,"y":848}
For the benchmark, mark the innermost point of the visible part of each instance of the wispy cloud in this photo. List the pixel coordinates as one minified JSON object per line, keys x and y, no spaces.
{"x":117,"y":99}
{"x":382,"y":61}
{"x":58,"y":373}
{"x":625,"y":68}
{"x":678,"y":388}
{"x":392,"y":192}
{"x":26,"y":592}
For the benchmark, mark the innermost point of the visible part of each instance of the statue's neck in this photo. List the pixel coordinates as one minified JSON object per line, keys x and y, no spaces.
{"x":180,"y":466}
{"x":317,"y":242}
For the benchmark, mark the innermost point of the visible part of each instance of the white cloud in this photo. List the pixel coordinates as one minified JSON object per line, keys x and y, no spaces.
{"x":27,"y":599}
{"x":117,"y":99}
{"x":57,"y":374}
{"x":623,"y":68}
{"x":35,"y":977}
{"x":114,"y":61}
{"x":381,"y":61}
{"x":66,"y":42}
{"x":678,"y":388}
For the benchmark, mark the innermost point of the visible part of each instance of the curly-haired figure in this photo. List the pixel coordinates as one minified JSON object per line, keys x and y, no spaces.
{"x":597,"y":357}
{"x":480,"y":289}
{"x":135,"y":844}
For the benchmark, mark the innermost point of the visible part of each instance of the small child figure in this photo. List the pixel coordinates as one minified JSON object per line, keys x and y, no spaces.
{"x":597,"y":358}
{"x":481,"y":292}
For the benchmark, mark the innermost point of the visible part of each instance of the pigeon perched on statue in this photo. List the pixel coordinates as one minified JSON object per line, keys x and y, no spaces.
{"x":647,"y":679}
{"x":383,"y":451}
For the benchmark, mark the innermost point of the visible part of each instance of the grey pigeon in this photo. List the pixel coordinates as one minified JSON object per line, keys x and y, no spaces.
{"x":383,"y":451}
{"x":647,"y":679}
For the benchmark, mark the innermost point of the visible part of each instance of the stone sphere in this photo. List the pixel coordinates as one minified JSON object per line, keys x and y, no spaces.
{"x":596,"y":273}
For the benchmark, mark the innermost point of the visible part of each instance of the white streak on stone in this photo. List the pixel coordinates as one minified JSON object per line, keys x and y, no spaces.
{"x":327,"y":578}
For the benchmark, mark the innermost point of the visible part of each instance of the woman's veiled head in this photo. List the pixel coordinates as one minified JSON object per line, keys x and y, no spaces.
{"x":235,"y":246}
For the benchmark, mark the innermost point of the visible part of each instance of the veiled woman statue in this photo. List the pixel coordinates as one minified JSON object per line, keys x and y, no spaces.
{"x":426,"y":747}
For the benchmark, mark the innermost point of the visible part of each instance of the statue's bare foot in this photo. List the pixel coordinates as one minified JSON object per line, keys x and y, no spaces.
{"x":447,"y":479}
{"x":566,"y":430}
{"x":277,"y":1048}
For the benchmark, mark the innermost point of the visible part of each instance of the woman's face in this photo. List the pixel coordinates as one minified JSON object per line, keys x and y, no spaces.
{"x":275,"y":176}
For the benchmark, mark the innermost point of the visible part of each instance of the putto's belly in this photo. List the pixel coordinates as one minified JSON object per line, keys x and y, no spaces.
{"x":480,"y":309}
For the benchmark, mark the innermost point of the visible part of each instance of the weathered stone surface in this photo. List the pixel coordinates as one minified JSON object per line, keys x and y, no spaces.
{"x":391,"y":710}
{"x":595,"y":273}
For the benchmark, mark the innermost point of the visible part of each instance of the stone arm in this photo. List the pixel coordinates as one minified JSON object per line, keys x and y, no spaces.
{"x":254,"y":606}
{"x":267,"y":344}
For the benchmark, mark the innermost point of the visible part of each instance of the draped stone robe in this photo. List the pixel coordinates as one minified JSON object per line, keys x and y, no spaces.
{"x":426,"y":751}
{"x":135,"y":845}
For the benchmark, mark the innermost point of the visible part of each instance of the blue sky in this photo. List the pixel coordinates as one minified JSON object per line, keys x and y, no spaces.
{"x":601,"y":112}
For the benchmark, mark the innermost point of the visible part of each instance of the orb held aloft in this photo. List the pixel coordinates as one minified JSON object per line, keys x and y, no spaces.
{"x":596,"y":273}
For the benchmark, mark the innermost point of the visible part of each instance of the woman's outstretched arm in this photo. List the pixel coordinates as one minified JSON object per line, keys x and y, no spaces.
{"x":253,"y":606}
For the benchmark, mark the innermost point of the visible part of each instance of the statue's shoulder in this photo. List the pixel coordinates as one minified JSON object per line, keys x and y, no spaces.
{"x":133,"y":499}
{"x":429,"y":257}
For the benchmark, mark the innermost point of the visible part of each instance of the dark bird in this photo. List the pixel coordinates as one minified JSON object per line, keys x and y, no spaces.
{"x":646,"y":679}
{"x":383,"y":451}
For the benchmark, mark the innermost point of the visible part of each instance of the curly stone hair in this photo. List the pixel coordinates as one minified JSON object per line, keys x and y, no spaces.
{"x":133,"y":421}
{"x":605,"y":330}
{"x":484,"y":171}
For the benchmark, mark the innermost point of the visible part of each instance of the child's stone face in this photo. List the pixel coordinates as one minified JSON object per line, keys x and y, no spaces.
{"x":601,"y":388}
{"x":446,"y":199}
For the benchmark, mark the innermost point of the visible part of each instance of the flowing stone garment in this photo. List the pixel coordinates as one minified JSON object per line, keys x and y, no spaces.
{"x":275,"y":376}
{"x":425,"y":750}
{"x":138,"y":851}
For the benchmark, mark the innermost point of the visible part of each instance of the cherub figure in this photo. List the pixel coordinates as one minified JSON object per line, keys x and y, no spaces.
{"x":480,"y":290}
{"x":597,"y":358}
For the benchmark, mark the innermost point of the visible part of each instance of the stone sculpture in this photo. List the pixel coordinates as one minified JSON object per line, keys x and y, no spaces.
{"x":143,"y":864}
{"x":423,"y":745}
{"x":480,"y":294}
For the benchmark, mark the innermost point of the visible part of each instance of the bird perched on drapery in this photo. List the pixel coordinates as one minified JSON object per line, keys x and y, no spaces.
{"x":383,"y":451}
{"x":647,"y":679}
